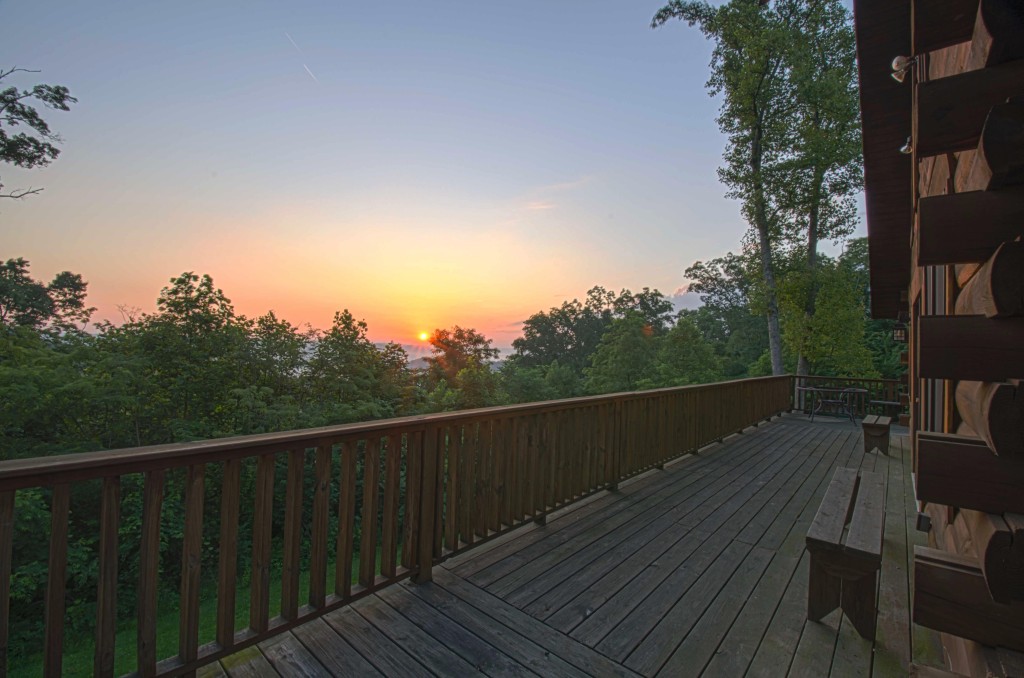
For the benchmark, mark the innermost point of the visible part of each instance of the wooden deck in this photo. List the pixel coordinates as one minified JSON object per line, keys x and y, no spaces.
{"x":699,"y":568}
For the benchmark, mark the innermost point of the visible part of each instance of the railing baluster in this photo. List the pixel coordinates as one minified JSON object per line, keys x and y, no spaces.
{"x":191,"y":556}
{"x":292,"y":535}
{"x":56,"y":582}
{"x":451,"y":518}
{"x":371,"y":492}
{"x":227,"y":570}
{"x":262,"y":521}
{"x":467,"y":493}
{"x":346,"y":519}
{"x":106,"y":588}
{"x":429,"y":505}
{"x":480,"y":495}
{"x":6,"y":543}
{"x":389,"y":529}
{"x":149,"y":565}
{"x":413,"y":473}
{"x":321,"y":518}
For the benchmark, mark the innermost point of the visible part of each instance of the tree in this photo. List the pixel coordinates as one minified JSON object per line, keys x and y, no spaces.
{"x":825,"y":171}
{"x":686,"y":357}
{"x":26,"y":302}
{"x":570,"y":333}
{"x":748,"y":67}
{"x":454,"y":349}
{"x":23,"y":149}
{"x":726,"y":319}
{"x":624,"y":360}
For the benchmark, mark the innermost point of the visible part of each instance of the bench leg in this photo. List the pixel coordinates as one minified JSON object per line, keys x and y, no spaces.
{"x":822,"y":591}
{"x":858,"y":602}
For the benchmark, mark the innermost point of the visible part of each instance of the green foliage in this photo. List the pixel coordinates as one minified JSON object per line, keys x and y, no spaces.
{"x":38,"y":147}
{"x":625,"y":358}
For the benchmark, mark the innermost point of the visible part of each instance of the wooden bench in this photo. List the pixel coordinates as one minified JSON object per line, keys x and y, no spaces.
{"x":876,"y":433}
{"x":845,"y":546}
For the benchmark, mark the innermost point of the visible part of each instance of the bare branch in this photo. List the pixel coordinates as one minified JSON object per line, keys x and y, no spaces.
{"x":15,"y":69}
{"x":16,"y":195}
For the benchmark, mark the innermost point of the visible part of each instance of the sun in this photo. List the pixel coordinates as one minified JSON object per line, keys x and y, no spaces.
{"x":424,"y":336}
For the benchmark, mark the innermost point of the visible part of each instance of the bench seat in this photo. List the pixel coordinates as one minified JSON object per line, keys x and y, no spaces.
{"x":845,"y":547}
{"x":876,"y":433}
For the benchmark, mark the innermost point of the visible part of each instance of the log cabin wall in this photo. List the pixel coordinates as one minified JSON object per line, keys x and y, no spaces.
{"x":965,"y":300}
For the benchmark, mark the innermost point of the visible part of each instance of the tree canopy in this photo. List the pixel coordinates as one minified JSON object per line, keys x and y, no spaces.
{"x":37,"y":147}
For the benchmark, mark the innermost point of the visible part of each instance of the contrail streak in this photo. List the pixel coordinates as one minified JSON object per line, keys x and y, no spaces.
{"x":310,"y":73}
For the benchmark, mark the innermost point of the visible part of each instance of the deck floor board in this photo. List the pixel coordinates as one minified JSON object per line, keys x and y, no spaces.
{"x":697,"y":568}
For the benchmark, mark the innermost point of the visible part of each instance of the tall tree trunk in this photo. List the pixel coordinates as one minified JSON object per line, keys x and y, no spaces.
{"x":765,"y":246}
{"x":802,"y":364}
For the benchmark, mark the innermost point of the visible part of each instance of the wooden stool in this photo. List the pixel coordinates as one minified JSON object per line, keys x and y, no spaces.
{"x":876,"y":433}
{"x":845,"y":562}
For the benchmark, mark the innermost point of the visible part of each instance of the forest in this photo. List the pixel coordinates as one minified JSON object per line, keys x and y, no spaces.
{"x":196,"y":369}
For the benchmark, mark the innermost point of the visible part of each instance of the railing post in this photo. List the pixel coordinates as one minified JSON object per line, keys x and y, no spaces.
{"x":429,"y":506}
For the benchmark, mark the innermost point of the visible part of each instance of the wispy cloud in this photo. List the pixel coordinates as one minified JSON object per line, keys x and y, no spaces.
{"x":540,"y":205}
{"x":303,"y":55}
{"x":563,"y":186}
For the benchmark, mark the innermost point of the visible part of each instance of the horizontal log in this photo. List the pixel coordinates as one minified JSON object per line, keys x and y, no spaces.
{"x":941,"y":23}
{"x":999,"y":160}
{"x":996,"y":290}
{"x":970,"y":347}
{"x":952,"y":111}
{"x":950,"y":595}
{"x":995,"y":412}
{"x":951,"y":232}
{"x":1002,"y":563}
{"x":998,"y":33}
{"x":958,"y":470}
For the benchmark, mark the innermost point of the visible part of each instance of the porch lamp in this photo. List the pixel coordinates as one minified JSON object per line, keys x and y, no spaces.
{"x":901,"y":65}
{"x":899,"y":333}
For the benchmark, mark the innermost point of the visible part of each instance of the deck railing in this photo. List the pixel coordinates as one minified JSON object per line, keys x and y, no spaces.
{"x":382,"y":500}
{"x":878,"y":390}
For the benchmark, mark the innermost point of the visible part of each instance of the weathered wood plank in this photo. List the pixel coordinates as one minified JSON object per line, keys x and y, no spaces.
{"x":435,"y":657}
{"x":577,"y":654}
{"x":497,"y":635}
{"x":974,"y":348}
{"x":56,"y":581}
{"x":995,"y":412}
{"x":379,"y":650}
{"x":332,"y":651}
{"x":290,"y":658}
{"x":941,"y":23}
{"x":346,"y":519}
{"x":149,"y":564}
{"x":227,"y":566}
{"x":449,"y":634}
{"x":106,"y":588}
{"x":950,"y":595}
{"x":318,"y":533}
{"x":962,"y":471}
{"x":392,"y":490}
{"x":292,"y":535}
{"x":191,"y":557}
{"x":952,"y":111}
{"x":6,"y":545}
{"x":371,"y":503}
{"x":951,"y":233}
{"x":262,"y":521}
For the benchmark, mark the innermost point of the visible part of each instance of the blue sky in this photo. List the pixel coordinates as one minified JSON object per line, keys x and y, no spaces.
{"x":422,"y":164}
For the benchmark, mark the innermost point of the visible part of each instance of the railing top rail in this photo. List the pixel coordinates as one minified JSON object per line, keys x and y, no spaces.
{"x":44,"y":471}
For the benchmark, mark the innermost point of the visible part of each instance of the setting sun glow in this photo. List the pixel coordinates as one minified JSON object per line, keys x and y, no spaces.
{"x":424,"y":336}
